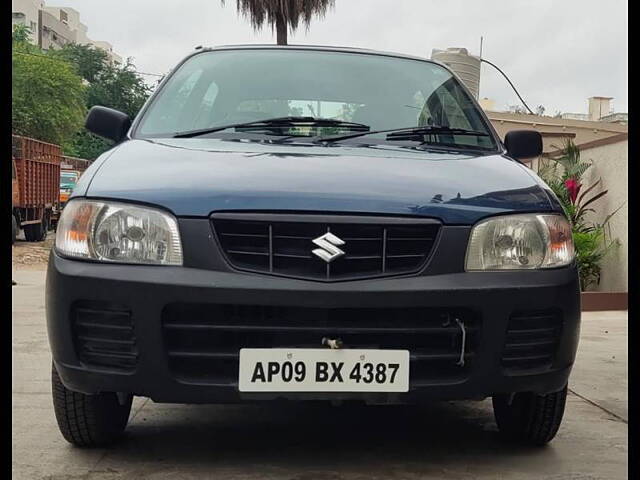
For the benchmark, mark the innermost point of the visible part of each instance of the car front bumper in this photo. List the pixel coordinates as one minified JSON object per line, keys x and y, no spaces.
{"x":147,"y":293}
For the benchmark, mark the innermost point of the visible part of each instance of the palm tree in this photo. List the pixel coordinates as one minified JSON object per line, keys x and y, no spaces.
{"x":282,"y":13}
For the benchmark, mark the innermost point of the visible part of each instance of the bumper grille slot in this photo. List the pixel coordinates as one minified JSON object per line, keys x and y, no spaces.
{"x":203,"y":341}
{"x":531,"y":342}
{"x":373,"y":247}
{"x":104,"y":337}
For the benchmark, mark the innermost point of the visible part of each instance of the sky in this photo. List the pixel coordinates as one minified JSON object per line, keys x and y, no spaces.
{"x":557,"y":53}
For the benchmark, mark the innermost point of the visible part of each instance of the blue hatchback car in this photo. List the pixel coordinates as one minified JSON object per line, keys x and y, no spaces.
{"x":311,"y":223}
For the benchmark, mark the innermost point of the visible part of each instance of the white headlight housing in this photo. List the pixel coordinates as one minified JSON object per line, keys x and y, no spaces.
{"x":520,"y":242}
{"x":118,"y":232}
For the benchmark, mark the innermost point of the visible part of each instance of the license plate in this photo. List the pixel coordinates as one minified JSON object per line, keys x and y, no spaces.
{"x":323,"y":370}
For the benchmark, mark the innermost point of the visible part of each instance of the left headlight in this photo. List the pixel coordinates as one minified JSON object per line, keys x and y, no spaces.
{"x":520,"y":242}
{"x":118,"y":232}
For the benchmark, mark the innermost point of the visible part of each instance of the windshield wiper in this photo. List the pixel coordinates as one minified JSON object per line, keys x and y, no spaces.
{"x":406,"y":133}
{"x":279,"y":122}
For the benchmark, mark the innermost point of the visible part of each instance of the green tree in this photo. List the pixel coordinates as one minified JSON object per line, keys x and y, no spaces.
{"x":109,"y":85}
{"x":48,"y":96}
{"x":52,"y":91}
{"x":88,"y":60}
{"x":115,"y":86}
{"x":20,"y":35}
{"x":281,"y":14}
{"x":119,"y":87}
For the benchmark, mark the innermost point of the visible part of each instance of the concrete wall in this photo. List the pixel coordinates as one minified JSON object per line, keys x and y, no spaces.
{"x":555,"y":130}
{"x":599,"y":107}
{"x":610,"y":162}
{"x":107,"y":47}
{"x":81,"y":34}
{"x":55,"y":33}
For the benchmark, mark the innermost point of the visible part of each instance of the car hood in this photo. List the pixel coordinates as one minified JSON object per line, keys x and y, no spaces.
{"x":195,"y":177}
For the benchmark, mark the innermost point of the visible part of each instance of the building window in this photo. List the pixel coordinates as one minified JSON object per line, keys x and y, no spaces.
{"x":18,"y":18}
{"x":34,"y":26}
{"x":63,"y":16}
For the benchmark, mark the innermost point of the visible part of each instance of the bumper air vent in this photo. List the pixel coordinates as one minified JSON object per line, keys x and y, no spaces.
{"x":104,"y":337}
{"x":203,"y":341}
{"x":531,"y":342}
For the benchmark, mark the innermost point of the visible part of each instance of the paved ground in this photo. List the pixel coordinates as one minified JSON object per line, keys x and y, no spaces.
{"x":448,"y":440}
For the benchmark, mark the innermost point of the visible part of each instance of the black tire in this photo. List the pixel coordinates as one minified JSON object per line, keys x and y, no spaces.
{"x":14,"y":229}
{"x":33,"y":232}
{"x":530,"y":418}
{"x":88,"y":420}
{"x":37,"y":232}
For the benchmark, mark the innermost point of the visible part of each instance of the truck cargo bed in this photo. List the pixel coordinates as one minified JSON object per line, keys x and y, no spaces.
{"x":38,"y":172}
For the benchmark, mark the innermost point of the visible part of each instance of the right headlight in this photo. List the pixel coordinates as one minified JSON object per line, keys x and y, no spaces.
{"x":118,"y":232}
{"x":520,"y":242}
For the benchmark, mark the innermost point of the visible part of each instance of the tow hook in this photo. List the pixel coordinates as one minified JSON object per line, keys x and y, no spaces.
{"x":332,"y":343}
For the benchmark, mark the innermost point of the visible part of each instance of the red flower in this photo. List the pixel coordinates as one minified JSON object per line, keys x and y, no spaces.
{"x":573,"y":186}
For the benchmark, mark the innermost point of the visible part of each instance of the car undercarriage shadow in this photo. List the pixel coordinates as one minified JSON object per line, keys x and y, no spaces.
{"x":302,"y":436}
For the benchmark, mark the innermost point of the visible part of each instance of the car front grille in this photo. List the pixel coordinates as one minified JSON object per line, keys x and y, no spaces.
{"x":283,"y":245}
{"x":203,"y":341}
{"x":531,"y":342}
{"x":104,"y":336}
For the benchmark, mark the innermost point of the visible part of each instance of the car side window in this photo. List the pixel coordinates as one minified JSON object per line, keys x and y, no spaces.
{"x":168,"y":112}
{"x":450,"y":107}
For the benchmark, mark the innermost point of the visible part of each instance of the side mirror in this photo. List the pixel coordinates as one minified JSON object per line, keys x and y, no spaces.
{"x":523,"y":144}
{"x":108,"y":123}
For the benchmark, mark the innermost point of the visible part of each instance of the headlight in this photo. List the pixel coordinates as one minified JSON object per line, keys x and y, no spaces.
{"x":520,"y":242}
{"x":118,"y":232}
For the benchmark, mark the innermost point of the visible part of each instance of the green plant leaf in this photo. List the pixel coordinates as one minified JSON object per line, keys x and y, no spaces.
{"x":582,"y":210}
{"x":584,"y":192}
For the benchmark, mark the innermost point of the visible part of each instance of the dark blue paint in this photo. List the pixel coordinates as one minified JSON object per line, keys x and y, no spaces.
{"x":195,"y":177}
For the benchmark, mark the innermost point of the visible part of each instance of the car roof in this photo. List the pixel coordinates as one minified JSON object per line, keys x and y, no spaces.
{"x":321,"y":48}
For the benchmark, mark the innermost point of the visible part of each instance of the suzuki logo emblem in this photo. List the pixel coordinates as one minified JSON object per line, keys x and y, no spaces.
{"x":328,"y":244}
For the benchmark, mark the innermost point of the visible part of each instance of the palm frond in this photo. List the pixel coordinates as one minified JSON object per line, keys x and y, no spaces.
{"x":294,"y":12}
{"x":584,"y":192}
{"x":577,"y":170}
{"x":571,"y":162}
{"x":608,"y":217}
{"x":582,"y":210}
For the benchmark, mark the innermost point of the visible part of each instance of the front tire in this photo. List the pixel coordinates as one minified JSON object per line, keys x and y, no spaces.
{"x":530,"y":418}
{"x":88,"y":420}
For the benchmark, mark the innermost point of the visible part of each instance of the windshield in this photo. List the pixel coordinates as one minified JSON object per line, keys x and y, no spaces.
{"x":228,"y":87}
{"x":68,"y":180}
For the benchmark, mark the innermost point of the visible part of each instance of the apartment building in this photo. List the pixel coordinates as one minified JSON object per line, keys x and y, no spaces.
{"x":27,"y":12}
{"x":54,"y":27}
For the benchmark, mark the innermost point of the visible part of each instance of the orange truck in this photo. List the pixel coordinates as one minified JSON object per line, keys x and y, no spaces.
{"x":68,"y":180}
{"x":35,"y":186}
{"x":71,"y":169}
